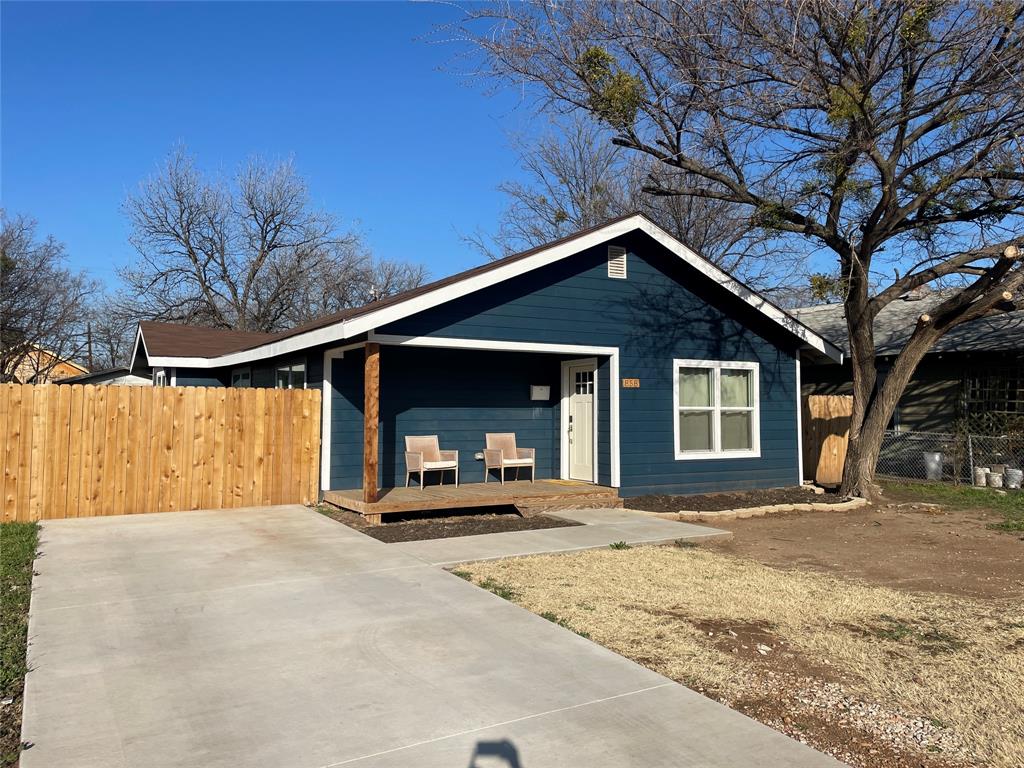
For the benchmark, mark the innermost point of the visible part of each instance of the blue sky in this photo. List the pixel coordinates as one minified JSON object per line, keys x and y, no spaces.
{"x":94,"y":95}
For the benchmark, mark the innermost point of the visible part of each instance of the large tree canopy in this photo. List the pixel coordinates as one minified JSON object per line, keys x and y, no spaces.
{"x":247,"y":253}
{"x":888,"y":134}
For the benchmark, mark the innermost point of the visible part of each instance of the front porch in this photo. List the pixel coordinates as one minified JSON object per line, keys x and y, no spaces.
{"x":527,"y":497}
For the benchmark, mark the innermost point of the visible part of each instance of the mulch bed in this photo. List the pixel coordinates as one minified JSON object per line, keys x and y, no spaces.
{"x":424,"y":525}
{"x":716,"y":502}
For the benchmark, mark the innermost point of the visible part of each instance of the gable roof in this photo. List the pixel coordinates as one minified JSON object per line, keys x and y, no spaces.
{"x":897,"y":320}
{"x":350,"y":323}
{"x":173,"y":340}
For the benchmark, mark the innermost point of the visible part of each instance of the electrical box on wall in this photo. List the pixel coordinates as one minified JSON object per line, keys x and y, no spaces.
{"x":540,"y":392}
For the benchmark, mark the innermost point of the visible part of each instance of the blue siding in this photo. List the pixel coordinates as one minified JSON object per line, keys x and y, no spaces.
{"x":457,"y":395}
{"x":664,"y":310}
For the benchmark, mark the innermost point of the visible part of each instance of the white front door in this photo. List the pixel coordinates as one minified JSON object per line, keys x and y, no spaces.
{"x":581,"y":421}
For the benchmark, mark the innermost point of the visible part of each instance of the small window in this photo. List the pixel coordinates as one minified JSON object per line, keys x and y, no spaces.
{"x":717,"y":414}
{"x":159,"y":378}
{"x":291,"y":376}
{"x":241,"y":377}
{"x":617,"y":262}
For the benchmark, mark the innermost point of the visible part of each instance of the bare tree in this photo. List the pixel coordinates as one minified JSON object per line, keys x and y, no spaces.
{"x":249,"y":254}
{"x":885,"y":133}
{"x":577,"y":178}
{"x":42,"y":303}
{"x":111,"y":331}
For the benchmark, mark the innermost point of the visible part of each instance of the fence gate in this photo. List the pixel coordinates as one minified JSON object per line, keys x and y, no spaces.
{"x":826,"y":426}
{"x":81,"y":451}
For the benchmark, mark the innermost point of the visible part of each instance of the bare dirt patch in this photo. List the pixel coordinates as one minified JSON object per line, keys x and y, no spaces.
{"x":469,"y":522}
{"x":876,"y":676}
{"x":913,"y":546}
{"x":716,"y":502}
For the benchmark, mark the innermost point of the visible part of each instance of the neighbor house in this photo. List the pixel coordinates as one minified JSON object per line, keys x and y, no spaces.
{"x":620,"y":355}
{"x":41,"y":366}
{"x":974,"y":375}
{"x":119,"y":375}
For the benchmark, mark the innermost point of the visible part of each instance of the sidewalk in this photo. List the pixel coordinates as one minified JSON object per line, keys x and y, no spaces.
{"x":601,"y":528}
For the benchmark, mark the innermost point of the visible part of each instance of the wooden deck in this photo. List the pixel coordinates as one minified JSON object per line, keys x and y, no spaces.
{"x":527,"y":497}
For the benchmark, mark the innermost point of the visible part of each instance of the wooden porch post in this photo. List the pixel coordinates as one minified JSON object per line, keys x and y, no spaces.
{"x":371,"y":420}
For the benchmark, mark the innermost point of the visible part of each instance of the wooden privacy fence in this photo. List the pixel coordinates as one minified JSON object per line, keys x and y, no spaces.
{"x":826,"y":425}
{"x":81,"y":451}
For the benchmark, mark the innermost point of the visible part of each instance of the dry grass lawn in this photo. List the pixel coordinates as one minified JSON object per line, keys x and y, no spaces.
{"x":877,"y":677}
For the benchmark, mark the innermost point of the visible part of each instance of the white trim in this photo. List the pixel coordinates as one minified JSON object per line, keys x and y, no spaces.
{"x":799,"y":425}
{"x":567,"y":386}
{"x":135,"y":348}
{"x":530,"y":346}
{"x":174,"y":377}
{"x":327,"y":385}
{"x":345,"y":329}
{"x":716,"y":366}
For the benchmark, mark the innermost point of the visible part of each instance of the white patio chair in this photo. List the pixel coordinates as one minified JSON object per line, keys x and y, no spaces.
{"x":422,"y":454}
{"x":501,"y":453}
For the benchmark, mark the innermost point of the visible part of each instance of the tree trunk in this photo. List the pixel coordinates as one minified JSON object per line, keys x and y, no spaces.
{"x":864,"y":447}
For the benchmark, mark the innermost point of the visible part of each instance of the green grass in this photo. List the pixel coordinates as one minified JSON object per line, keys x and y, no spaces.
{"x":554,"y":618}
{"x":930,"y":639}
{"x":18,"y":543}
{"x":1009,"y":505}
{"x":502,"y":591}
{"x":619,"y":545}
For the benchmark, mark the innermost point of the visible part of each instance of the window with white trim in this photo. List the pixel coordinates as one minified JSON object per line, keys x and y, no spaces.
{"x":291,"y":376}
{"x":159,"y":377}
{"x":241,"y":377}
{"x":717,"y":414}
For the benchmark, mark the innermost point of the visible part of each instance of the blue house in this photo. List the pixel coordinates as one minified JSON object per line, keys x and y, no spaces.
{"x":622,"y":357}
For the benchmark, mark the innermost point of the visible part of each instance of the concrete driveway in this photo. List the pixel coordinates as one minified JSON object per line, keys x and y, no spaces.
{"x":277,"y":637}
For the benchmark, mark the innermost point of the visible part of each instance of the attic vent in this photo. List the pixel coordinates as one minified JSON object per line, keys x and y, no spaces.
{"x":617,"y":261}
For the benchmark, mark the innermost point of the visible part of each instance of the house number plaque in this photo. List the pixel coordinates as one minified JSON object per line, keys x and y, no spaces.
{"x":631,"y":383}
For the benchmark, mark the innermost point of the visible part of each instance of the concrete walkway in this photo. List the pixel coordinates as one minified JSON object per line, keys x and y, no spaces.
{"x":601,"y":528}
{"x":277,"y":637}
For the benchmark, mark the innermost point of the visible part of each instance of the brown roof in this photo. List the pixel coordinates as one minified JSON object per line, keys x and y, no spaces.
{"x":172,"y":340}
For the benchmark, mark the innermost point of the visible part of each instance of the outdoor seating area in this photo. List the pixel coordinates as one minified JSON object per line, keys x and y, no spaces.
{"x":423,"y":454}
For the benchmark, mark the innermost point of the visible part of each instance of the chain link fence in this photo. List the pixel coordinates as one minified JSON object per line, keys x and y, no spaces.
{"x":949,"y":457}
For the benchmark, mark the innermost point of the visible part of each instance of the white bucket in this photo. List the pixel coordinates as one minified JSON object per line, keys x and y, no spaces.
{"x":981,"y":476}
{"x":932,"y":465}
{"x":1014,"y":478}
{"x":995,"y":479}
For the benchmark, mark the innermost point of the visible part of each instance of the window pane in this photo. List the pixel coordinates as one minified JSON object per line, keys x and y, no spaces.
{"x":282,"y":378}
{"x":736,"y":431}
{"x":298,"y":378}
{"x":736,"y":388}
{"x":695,"y":431}
{"x":695,"y":387}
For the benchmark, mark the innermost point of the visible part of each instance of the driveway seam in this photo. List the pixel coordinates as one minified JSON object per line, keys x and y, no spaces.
{"x":468,"y":731}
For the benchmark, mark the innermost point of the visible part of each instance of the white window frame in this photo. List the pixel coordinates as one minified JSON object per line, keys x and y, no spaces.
{"x":244,"y":369}
{"x":717,"y":366}
{"x":290,"y":367}
{"x":159,"y":377}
